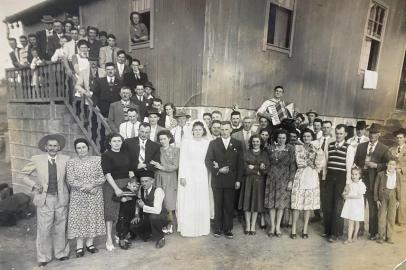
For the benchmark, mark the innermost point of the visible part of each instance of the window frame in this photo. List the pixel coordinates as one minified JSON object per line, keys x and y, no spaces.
{"x":366,"y":35}
{"x":150,"y":43}
{"x":266,"y":46}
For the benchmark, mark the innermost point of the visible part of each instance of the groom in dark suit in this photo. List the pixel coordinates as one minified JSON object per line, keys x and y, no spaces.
{"x":143,"y":151}
{"x":372,"y":157}
{"x":225,"y":160}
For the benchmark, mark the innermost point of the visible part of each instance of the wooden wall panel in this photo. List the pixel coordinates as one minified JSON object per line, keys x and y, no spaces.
{"x":322,"y":73}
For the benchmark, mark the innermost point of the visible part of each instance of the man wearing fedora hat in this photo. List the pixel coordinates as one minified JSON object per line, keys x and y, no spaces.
{"x":372,"y":157}
{"x":149,"y":89}
{"x":182,"y":129}
{"x":51,"y":197}
{"x":399,"y":152}
{"x":311,"y":116}
{"x":153,"y":119}
{"x":360,"y":137}
{"x":46,"y":35}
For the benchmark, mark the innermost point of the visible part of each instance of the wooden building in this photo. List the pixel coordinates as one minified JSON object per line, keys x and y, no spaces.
{"x":224,"y":52}
{"x":218,"y":52}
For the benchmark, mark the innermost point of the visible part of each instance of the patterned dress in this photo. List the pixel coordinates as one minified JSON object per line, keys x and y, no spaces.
{"x":281,"y":172}
{"x":306,"y":190}
{"x":86,"y":210}
{"x":167,"y":179}
{"x":253,"y":188}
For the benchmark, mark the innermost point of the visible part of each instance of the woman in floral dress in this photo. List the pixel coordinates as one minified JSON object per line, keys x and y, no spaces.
{"x":306,"y":190}
{"x":86,"y":208}
{"x":279,"y":180}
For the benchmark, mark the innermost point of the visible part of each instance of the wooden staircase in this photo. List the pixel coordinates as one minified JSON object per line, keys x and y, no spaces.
{"x":52,"y":84}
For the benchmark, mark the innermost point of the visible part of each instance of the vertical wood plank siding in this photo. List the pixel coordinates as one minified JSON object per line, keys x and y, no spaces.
{"x":322,"y":73}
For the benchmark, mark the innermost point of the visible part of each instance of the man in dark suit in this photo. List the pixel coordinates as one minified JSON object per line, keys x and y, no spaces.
{"x":106,"y":90}
{"x":121,"y":67}
{"x":54,"y":40}
{"x":143,"y":150}
{"x":225,"y":160}
{"x":372,"y":157}
{"x":15,"y":53}
{"x":45,"y":35}
{"x":140,"y":100}
{"x":136,"y":77}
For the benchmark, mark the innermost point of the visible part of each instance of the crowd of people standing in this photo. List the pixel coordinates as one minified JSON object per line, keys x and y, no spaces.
{"x":163,"y":171}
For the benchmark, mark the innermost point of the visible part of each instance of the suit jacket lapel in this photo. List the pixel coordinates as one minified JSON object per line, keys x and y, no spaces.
{"x":44,"y":164}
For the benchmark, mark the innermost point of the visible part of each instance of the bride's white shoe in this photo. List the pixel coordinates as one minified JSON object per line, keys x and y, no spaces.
{"x":109,"y":246}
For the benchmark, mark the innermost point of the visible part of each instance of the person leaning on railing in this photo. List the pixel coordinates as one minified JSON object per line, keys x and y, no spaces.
{"x":81,"y":67}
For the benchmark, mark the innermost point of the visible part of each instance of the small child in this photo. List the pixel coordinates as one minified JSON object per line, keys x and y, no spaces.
{"x":127,"y":211}
{"x":353,"y":209}
{"x":387,"y":197}
{"x":36,"y":62}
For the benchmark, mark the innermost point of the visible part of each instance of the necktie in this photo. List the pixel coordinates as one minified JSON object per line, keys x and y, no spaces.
{"x":112,"y":55}
{"x":133,"y":131}
{"x":140,"y":98}
{"x":399,"y":150}
{"x":323,"y":145}
{"x":181,"y":132}
{"x":53,"y":161}
{"x":370,"y":149}
{"x":359,"y":140}
{"x":145,"y":193}
{"x":142,"y":151}
{"x":76,"y":47}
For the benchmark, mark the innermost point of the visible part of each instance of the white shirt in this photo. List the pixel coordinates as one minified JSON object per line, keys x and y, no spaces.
{"x":50,"y":158}
{"x":110,"y":79}
{"x":70,"y":49}
{"x":120,"y":68}
{"x":159,"y":196}
{"x":49,"y":33}
{"x":59,"y":54}
{"x":319,"y":134}
{"x":391,"y":181}
{"x":226,"y":142}
{"x":126,"y":129}
{"x":177,"y":134}
{"x":153,"y":133}
{"x":246,"y":134}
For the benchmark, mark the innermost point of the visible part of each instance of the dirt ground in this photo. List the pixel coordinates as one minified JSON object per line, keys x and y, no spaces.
{"x":17,"y":251}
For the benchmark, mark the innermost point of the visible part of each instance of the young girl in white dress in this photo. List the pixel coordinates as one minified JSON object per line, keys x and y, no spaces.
{"x":353,"y":209}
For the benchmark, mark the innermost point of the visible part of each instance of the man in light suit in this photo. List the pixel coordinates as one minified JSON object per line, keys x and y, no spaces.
{"x":245,"y":133}
{"x":109,"y":53}
{"x":118,"y":110}
{"x":372,"y":157}
{"x":51,"y":197}
{"x":15,"y":53}
{"x":224,"y":159}
{"x":143,"y":150}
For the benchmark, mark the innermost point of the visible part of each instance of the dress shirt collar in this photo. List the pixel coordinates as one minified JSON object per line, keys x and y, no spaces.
{"x":340,"y":144}
{"x":125,"y":103}
{"x":142,"y":141}
{"x":110,"y":78}
{"x":50,"y":158}
{"x":226,"y":142}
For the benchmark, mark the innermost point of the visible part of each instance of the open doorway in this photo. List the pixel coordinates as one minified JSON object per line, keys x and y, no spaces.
{"x":401,"y":101}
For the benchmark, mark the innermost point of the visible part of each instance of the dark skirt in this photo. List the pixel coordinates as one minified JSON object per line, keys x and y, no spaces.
{"x":252,"y":194}
{"x":111,"y":207}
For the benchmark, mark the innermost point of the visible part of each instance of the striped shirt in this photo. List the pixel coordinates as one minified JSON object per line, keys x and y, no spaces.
{"x":337,"y":157}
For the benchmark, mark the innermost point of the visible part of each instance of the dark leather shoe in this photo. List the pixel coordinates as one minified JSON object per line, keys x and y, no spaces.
{"x":42,"y":264}
{"x":92,"y":249}
{"x":79,"y":253}
{"x":373,"y":238}
{"x":123,"y":244}
{"x":229,"y":235}
{"x":160,"y":243}
{"x":217,"y":234}
{"x":293,"y":236}
{"x":64,"y":258}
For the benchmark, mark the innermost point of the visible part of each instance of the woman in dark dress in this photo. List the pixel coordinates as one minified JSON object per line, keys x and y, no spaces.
{"x":256,"y":163}
{"x":279,"y":180}
{"x":116,"y":165}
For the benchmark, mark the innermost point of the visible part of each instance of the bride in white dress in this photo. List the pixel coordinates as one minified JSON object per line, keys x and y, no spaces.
{"x":193,"y":207}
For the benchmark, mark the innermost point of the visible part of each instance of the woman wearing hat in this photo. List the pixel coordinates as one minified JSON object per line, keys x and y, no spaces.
{"x":86,"y":214}
{"x":116,"y":164}
{"x":399,"y":152}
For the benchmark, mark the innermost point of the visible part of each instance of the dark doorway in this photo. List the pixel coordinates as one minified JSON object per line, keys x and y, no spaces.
{"x":401,"y":101}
